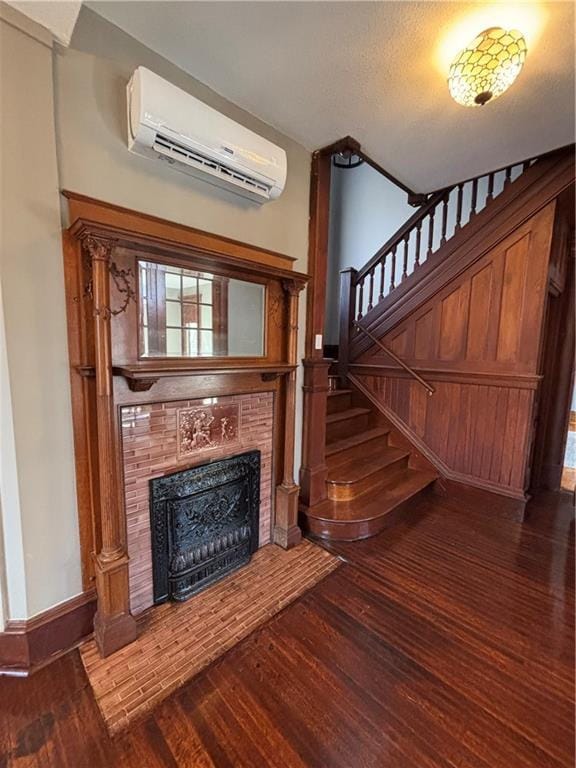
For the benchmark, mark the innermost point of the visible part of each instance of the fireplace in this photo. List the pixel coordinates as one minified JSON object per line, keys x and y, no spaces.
{"x":158,"y":328}
{"x":204,"y":524}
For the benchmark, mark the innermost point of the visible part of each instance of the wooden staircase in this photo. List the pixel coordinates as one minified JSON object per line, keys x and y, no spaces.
{"x":369,"y":477}
{"x":424,"y":385}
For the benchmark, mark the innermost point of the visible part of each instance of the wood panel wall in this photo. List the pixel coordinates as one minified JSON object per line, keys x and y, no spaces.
{"x":478,"y":341}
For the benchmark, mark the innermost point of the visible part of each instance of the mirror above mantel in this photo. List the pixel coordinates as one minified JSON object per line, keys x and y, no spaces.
{"x":190,"y":314}
{"x":186,"y":313}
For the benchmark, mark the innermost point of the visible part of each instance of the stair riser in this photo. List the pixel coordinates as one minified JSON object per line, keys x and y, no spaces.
{"x":342,"y":531}
{"x":373,"y":482}
{"x":334,"y":460}
{"x":335,"y":450}
{"x":339,"y":403}
{"x":341,"y":429}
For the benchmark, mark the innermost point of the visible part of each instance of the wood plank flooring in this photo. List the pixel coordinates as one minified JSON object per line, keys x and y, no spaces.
{"x":177,"y":640}
{"x":447,"y":641}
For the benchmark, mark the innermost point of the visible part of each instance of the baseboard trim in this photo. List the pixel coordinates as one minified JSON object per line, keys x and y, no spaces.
{"x":460,"y":495}
{"x":27,"y":645}
{"x":516,"y":495}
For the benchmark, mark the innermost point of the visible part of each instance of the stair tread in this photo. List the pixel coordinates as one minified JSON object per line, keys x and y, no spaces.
{"x":351,"y":442}
{"x":348,"y":414}
{"x":374,"y":504}
{"x":361,"y":465}
{"x":333,"y":392}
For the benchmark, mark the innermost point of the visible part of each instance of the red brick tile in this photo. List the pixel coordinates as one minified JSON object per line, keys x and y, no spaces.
{"x":177,"y":640}
{"x":149,"y":440}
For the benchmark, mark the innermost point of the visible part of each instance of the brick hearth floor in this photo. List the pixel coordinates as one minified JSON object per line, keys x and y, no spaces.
{"x":177,"y":640}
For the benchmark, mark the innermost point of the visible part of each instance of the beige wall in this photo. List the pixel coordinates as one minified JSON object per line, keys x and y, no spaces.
{"x":40,"y":502}
{"x":12,"y":574}
{"x":87,"y":82}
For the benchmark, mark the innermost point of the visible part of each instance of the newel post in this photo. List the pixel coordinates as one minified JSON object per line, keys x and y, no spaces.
{"x":114,"y":626}
{"x":347,"y":310}
{"x":314,"y":471}
{"x":286,"y":530}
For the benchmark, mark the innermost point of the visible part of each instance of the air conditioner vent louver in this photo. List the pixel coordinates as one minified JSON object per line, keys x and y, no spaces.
{"x":170,"y":149}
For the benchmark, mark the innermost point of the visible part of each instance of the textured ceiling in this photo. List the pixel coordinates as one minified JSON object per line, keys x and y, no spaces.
{"x":374,"y":70}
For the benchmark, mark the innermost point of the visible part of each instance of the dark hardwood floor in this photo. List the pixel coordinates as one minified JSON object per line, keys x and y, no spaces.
{"x":445,"y":641}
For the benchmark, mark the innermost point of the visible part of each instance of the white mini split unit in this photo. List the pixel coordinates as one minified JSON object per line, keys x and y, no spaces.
{"x":166,"y":123}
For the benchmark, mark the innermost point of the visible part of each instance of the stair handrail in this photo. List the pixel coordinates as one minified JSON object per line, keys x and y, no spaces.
{"x":441,"y":216}
{"x":434,"y":198}
{"x":438,"y":219}
{"x":431,"y":390}
{"x":400,"y":234}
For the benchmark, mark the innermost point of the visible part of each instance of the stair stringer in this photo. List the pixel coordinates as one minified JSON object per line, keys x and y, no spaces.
{"x":421,"y":447}
{"x":523,"y":199}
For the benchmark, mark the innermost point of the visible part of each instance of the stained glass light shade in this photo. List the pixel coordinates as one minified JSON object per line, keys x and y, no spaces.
{"x":487,"y":67}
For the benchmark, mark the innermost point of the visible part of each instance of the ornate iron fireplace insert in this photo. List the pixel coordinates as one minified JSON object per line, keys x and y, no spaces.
{"x":204,"y":524}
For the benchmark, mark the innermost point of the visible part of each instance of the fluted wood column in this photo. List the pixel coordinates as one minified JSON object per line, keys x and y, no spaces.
{"x":114,"y":626}
{"x":286,"y":530}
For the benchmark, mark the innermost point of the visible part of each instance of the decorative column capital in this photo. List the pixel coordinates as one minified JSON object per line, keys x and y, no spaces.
{"x":97,"y":248}
{"x":292,"y":286}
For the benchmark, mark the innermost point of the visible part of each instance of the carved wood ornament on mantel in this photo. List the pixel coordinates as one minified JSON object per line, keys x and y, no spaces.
{"x":104,"y":248}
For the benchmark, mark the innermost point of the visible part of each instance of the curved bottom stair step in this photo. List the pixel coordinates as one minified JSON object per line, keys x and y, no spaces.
{"x":365,"y":515}
{"x":360,"y":470}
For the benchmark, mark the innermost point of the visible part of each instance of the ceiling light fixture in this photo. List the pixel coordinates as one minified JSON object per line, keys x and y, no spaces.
{"x":487,"y":67}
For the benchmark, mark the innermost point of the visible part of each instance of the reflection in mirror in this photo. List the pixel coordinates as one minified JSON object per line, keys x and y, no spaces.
{"x":186,"y":313}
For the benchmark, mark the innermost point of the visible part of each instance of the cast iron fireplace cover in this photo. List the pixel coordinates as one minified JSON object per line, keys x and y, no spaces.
{"x":204,"y":523}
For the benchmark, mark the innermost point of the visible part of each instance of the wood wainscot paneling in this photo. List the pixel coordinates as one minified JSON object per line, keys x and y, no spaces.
{"x":541,"y":185}
{"x":102,"y":249}
{"x":478,"y":341}
{"x":473,"y":432}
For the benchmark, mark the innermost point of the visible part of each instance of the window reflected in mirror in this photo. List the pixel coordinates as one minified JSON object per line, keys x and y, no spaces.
{"x":188,"y":313}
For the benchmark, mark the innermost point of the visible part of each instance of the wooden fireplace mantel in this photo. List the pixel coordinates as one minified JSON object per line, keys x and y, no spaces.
{"x":141,"y":378}
{"x":102,"y":247}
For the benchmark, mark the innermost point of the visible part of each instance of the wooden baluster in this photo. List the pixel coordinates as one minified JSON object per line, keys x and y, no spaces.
{"x":360,"y":299}
{"x":508,"y":177}
{"x":444,"y":219}
{"x":371,"y":290}
{"x":474,"y":198}
{"x":382,"y":270}
{"x":405,"y":265}
{"x":431,"y":231}
{"x":459,"y":207}
{"x":418,"y":239}
{"x":393,"y":273}
{"x":490,"y":195}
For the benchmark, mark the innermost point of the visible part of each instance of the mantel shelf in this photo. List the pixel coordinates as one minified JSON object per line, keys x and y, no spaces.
{"x":142,"y":377}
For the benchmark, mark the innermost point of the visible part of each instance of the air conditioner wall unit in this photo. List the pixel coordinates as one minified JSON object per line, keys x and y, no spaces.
{"x":166,"y":123}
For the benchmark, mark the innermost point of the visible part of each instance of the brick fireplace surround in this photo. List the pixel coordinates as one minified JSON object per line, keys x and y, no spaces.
{"x":152,"y":447}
